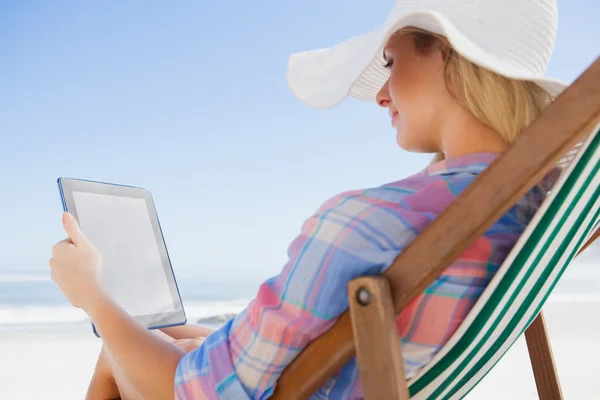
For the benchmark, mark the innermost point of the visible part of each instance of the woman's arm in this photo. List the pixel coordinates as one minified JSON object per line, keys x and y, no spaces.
{"x":351,"y":235}
{"x":146,"y":360}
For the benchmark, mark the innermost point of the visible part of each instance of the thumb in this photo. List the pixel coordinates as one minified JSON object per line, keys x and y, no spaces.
{"x":72,"y":229}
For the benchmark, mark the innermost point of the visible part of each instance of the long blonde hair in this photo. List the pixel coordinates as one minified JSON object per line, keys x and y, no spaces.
{"x":505,"y":105}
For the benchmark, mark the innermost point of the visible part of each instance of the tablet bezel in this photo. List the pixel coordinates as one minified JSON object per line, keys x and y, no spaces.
{"x":152,"y":321}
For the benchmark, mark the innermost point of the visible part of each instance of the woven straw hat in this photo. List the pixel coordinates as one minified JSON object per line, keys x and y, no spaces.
{"x":514,"y":38}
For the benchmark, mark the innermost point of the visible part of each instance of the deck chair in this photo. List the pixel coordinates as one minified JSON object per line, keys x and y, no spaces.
{"x":566,"y":134}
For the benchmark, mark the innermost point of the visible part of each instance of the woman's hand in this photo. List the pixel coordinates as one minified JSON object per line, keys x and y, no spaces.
{"x":75,"y":266}
{"x":146,"y":361}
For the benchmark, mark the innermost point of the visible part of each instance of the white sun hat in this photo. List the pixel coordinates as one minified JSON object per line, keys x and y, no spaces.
{"x":514,"y":38}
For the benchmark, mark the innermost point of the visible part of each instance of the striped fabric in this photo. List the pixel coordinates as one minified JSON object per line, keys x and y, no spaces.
{"x":520,"y":288}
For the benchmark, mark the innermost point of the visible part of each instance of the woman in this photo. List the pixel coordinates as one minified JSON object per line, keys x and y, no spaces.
{"x":442,"y":98}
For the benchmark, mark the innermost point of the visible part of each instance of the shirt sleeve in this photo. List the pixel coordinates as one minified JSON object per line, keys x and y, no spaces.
{"x":351,"y":235}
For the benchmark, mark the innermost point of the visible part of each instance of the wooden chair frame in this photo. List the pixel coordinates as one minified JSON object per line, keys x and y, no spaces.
{"x":367,"y":329}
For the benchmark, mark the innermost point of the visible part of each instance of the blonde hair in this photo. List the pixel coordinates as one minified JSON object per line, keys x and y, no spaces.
{"x":505,"y":105}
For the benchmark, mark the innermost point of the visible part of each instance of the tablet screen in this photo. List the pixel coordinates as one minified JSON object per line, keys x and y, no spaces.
{"x":132,"y":262}
{"x":122,"y":223}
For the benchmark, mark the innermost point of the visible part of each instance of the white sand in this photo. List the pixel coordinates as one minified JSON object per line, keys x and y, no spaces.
{"x":57,"y":362}
{"x":574,"y":330}
{"x":47,"y":363}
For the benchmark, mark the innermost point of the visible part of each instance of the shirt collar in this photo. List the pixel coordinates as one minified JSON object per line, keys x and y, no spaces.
{"x":474,"y":162}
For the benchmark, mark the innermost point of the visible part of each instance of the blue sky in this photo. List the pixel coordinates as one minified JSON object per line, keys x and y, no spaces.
{"x":189,"y":100}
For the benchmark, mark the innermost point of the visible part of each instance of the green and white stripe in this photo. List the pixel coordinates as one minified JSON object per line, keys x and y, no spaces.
{"x":519,"y":289}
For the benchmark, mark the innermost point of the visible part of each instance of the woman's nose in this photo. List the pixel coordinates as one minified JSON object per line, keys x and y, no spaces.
{"x":383,"y":96}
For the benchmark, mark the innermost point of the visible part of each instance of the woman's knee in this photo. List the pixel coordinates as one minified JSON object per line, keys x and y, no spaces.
{"x":106,"y":365}
{"x":189,"y":345}
{"x":186,"y":344}
{"x":187,"y":331}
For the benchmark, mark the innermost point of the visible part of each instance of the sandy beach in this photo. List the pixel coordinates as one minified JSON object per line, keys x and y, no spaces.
{"x":56,"y":361}
{"x":574,"y":329}
{"x":47,"y":362}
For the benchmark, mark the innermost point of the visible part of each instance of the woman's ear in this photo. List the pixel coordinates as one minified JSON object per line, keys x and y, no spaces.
{"x":445,"y":51}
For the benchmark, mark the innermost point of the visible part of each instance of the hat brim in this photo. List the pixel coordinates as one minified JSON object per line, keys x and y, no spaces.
{"x":324,"y":78}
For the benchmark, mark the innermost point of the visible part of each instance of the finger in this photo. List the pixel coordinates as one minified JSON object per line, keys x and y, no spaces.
{"x":72,"y":229}
{"x":61,"y":244}
{"x":56,"y":281}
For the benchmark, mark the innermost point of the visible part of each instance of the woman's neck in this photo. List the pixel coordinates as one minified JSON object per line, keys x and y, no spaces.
{"x":462,"y":133}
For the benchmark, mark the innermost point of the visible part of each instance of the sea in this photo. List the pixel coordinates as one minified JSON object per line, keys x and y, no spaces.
{"x":28,"y":299}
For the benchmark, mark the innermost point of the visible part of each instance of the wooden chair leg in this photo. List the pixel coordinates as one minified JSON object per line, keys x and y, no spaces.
{"x":542,"y":361}
{"x":376,"y":339}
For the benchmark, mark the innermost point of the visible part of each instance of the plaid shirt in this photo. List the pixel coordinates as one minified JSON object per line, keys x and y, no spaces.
{"x":353,"y":234}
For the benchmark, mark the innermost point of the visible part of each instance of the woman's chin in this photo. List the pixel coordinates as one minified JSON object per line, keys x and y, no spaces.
{"x":413,"y":146}
{"x":405,"y":142}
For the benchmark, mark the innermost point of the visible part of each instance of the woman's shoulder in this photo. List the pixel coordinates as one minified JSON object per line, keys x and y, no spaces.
{"x":419,"y":193}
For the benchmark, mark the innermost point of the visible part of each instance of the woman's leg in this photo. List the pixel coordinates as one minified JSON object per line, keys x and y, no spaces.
{"x":103,"y":385}
{"x":109,"y":382}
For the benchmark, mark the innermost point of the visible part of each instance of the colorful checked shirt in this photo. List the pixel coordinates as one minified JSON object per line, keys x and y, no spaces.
{"x":353,"y":234}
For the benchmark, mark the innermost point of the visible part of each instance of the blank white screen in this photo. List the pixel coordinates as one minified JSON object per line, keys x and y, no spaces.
{"x":121,"y":230}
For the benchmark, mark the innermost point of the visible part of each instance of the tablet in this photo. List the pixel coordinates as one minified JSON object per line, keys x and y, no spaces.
{"x":121,"y":221}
